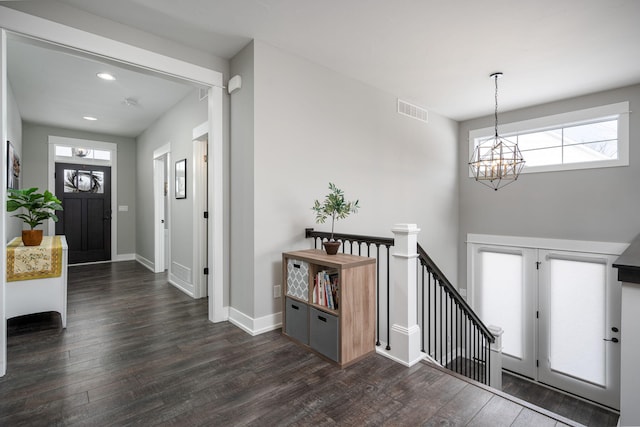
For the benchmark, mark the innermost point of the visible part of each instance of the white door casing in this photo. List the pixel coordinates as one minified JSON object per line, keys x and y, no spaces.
{"x":3,"y":196}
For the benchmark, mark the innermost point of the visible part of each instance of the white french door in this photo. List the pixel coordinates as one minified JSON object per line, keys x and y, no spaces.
{"x":505,"y":297}
{"x":560,"y":312}
{"x":579,"y":325}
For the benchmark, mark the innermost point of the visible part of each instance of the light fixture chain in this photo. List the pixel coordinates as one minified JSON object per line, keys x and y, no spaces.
{"x":496,"y":110}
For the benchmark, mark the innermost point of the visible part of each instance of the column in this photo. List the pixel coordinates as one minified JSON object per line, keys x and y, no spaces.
{"x":495,"y":369}
{"x":404,"y":339}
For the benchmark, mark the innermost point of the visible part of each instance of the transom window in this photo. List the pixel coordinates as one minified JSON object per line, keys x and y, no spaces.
{"x":591,"y":138}
{"x":81,"y":153}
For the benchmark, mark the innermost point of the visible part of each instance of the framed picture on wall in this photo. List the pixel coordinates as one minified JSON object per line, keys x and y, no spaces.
{"x":181,"y":179}
{"x":13,"y":167}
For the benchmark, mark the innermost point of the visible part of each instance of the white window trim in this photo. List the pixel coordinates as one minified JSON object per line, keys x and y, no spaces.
{"x":619,"y":110}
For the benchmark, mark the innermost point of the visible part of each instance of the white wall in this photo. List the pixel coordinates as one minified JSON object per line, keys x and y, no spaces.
{"x":242,"y":180}
{"x":175,"y":127}
{"x":14,"y":134}
{"x":592,"y":204}
{"x":313,"y":125}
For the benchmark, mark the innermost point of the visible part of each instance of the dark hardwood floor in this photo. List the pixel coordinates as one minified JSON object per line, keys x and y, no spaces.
{"x":138,"y":351}
{"x":560,"y":403}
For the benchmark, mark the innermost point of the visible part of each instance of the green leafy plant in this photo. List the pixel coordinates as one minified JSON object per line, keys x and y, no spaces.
{"x":334,"y":206}
{"x":39,"y":207}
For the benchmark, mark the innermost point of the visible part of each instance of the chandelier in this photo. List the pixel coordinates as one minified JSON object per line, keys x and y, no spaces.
{"x":496,"y":162}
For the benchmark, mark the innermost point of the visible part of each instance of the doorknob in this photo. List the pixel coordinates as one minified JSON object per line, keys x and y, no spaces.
{"x":612,"y":339}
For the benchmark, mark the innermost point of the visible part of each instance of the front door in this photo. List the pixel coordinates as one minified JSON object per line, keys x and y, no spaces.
{"x":506,"y":297}
{"x":560,"y":312}
{"x":579,"y":305}
{"x":85,"y":192}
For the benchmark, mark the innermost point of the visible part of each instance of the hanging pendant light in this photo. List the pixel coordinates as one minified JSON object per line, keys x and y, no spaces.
{"x":496,"y":162}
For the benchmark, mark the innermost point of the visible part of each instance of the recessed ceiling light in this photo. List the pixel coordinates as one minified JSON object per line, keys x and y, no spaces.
{"x":90,"y":118}
{"x":106,"y":76}
{"x":130,"y":102}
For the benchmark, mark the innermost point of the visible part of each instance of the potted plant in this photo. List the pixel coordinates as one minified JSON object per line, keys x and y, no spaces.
{"x":336,"y":207}
{"x":39,"y":207}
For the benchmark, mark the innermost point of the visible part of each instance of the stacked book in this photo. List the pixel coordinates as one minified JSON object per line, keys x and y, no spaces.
{"x":325,"y":289}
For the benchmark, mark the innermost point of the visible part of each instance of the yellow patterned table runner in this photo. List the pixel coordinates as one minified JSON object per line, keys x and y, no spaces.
{"x":34,"y":262}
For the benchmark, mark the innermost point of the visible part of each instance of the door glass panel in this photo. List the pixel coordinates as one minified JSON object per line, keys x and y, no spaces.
{"x":502,"y":298}
{"x":83,"y":181}
{"x":577,"y":319}
{"x":70,"y":182}
{"x":97,"y":182}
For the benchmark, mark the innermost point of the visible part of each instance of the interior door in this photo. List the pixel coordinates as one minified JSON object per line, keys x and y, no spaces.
{"x":579,"y":325}
{"x":85,"y":192}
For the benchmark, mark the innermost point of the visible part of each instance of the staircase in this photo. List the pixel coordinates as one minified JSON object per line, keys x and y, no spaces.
{"x":451,"y":333}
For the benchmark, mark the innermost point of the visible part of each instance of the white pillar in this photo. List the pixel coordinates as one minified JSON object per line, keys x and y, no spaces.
{"x":495,"y":369}
{"x":630,"y":354}
{"x":404,"y":336}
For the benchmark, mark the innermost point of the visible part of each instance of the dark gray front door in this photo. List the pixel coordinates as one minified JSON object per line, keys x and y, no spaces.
{"x":85,"y":192}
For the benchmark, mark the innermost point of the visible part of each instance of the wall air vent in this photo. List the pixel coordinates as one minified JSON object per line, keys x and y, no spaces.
{"x":410,"y":110}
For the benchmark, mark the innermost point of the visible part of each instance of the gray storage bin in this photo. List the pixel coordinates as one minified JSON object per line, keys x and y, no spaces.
{"x":297,"y":320}
{"x":298,"y":279}
{"x":323,"y":333}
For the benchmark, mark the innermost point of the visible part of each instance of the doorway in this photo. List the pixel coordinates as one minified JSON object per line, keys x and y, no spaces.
{"x":560,"y":312}
{"x":85,"y":192}
{"x":201,"y":211}
{"x":161,"y":211}
{"x":88,"y":43}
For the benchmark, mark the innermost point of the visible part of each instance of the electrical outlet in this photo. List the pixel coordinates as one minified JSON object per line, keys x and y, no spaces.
{"x":276,"y":291}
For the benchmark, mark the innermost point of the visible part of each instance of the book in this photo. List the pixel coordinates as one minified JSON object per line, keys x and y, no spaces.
{"x":326,"y":289}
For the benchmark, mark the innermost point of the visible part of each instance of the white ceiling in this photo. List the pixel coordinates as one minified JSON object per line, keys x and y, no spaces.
{"x":58,"y":87}
{"x":435,"y":53}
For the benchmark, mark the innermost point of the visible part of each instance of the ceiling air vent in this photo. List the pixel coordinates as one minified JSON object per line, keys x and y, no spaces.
{"x":407,"y":109}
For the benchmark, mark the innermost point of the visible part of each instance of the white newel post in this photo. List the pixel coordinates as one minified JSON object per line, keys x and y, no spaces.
{"x":404,"y":338}
{"x":495,"y":369}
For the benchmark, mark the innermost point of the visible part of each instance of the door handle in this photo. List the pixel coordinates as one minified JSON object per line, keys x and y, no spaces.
{"x":612,"y":339}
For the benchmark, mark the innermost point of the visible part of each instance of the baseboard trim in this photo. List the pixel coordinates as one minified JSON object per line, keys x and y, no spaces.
{"x":125,"y":257}
{"x":145,"y":263}
{"x":181,"y":285}
{"x":386,"y":353}
{"x":255,"y":326}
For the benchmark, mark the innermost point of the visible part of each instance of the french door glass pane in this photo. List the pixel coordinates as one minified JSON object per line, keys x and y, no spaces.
{"x":502,"y":298}
{"x":577,"y":319}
